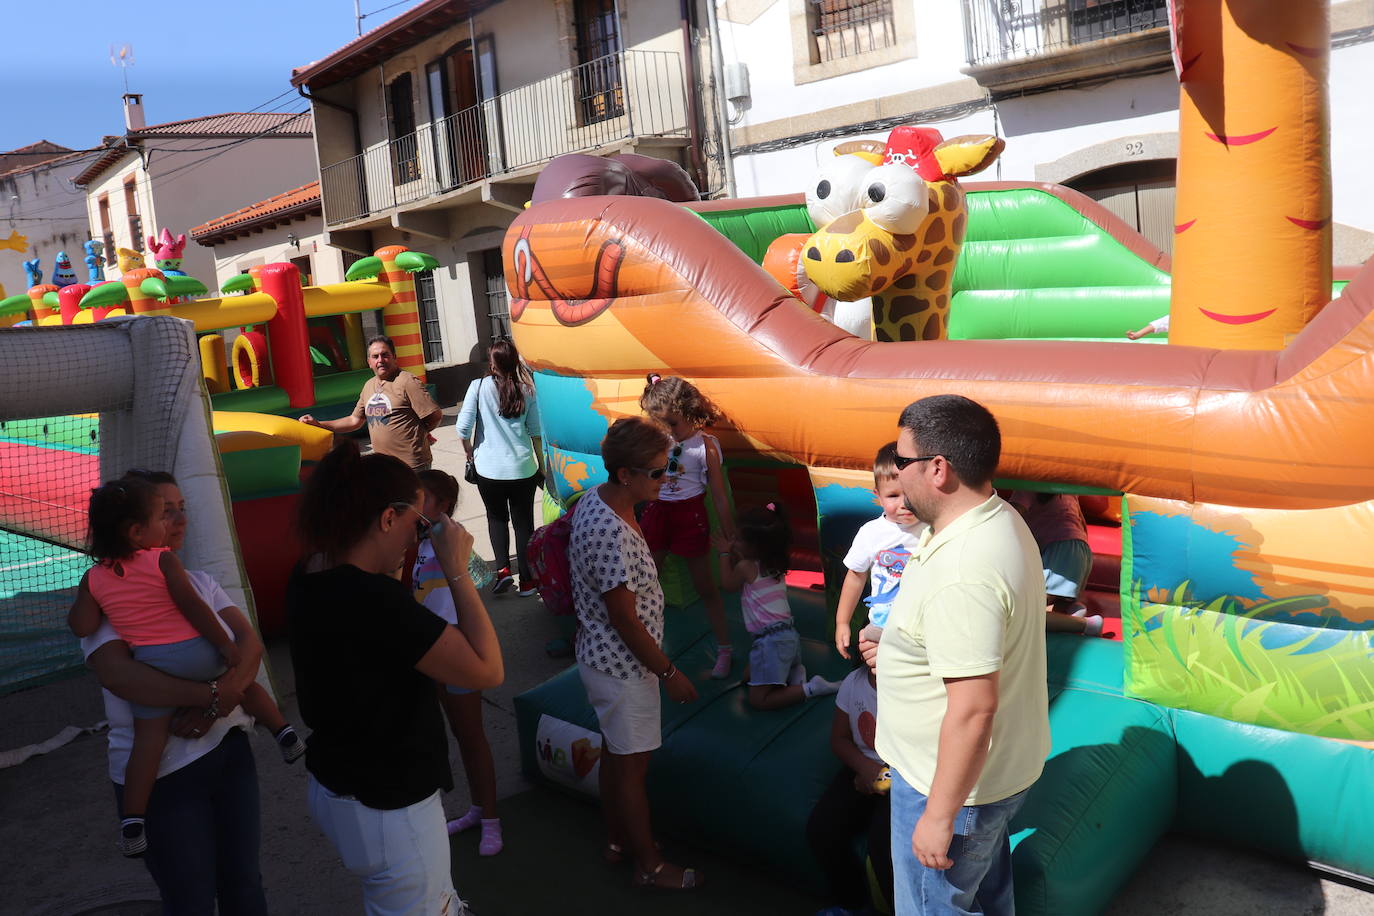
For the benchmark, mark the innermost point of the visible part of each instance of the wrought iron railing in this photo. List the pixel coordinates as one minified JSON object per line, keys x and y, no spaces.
{"x":998,"y":31}
{"x":844,"y":28}
{"x":620,"y":96}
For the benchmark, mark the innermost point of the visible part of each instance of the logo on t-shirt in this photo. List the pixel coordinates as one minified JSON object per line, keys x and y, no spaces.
{"x":888,"y":567}
{"x":868,"y":729}
{"x":378,"y":409}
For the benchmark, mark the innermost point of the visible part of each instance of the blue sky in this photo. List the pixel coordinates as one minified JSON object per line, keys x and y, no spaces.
{"x":191,"y":58}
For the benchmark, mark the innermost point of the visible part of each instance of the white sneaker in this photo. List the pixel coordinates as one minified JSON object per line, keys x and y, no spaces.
{"x":1092,"y":626}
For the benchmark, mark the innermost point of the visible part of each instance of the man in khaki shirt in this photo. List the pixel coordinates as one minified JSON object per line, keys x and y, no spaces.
{"x":399,"y":413}
{"x":961,"y":668}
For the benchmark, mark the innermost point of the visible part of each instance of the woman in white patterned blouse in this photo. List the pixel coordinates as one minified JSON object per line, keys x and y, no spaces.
{"x":620,"y":612}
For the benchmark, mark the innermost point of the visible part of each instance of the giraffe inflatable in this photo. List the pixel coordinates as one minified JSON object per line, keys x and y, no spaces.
{"x":1252,"y":245}
{"x":893,"y":231}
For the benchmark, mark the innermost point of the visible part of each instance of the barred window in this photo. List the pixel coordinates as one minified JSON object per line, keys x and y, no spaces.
{"x":846,"y":28}
{"x":427,"y":304}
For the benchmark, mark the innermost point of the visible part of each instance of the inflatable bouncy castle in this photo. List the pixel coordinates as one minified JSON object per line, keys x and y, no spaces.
{"x":295,"y":350}
{"x":1239,"y":703}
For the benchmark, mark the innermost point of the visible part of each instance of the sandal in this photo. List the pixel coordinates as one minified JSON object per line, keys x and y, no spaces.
{"x":690,"y":880}
{"x":614,"y":853}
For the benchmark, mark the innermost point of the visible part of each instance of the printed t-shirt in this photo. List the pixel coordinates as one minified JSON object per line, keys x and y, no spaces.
{"x":377,"y":732}
{"x":686,"y":475}
{"x":394,"y":411}
{"x":976,"y":605}
{"x":882,"y":548}
{"x":859,"y":700}
{"x":431,"y":585}
{"x":604,"y":552}
{"x":178,"y":752}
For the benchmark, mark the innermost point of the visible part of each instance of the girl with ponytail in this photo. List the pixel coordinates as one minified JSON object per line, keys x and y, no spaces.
{"x":499,"y":429}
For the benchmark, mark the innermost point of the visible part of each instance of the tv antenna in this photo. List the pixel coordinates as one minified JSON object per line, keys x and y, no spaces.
{"x":123,"y":58}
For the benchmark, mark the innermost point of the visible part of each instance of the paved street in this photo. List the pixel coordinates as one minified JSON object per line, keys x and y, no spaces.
{"x":57,"y":825}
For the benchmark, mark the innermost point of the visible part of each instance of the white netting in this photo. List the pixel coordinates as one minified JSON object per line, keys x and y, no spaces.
{"x":79,"y":405}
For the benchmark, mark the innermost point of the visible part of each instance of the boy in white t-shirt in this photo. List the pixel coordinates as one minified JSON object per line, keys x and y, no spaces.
{"x":879,"y":553}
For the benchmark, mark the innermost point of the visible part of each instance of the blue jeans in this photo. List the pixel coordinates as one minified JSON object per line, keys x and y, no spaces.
{"x":979,"y":881}
{"x":203,"y":834}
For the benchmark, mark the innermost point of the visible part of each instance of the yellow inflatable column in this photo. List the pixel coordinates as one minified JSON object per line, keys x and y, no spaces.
{"x":1252,"y":245}
{"x":401,"y":316}
{"x":353,"y":334}
{"x":213,"y":364}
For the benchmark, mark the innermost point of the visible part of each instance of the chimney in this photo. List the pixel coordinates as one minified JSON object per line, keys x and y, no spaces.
{"x":133,"y":112}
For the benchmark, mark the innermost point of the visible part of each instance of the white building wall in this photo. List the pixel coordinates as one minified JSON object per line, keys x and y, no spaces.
{"x":1042,"y":129}
{"x":42,"y":205}
{"x":191,"y":188}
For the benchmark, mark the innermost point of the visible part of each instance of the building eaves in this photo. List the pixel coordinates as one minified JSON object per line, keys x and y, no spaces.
{"x":265,"y":214}
{"x":389,"y":38}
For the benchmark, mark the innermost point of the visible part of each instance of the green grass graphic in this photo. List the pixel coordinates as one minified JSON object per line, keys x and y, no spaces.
{"x":1210,"y":657}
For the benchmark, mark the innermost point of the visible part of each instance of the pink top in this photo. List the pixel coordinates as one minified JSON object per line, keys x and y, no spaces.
{"x":137,"y":602}
{"x":764,"y":603}
{"x":1059,"y":518}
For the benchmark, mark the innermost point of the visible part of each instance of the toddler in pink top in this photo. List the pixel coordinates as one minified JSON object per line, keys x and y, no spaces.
{"x":145,"y":592}
{"x":756,"y":564}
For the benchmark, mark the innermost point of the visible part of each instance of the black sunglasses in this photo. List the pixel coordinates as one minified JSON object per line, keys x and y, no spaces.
{"x":423,"y":526}
{"x":901,"y":461}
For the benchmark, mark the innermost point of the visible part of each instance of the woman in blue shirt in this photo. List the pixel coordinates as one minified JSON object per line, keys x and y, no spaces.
{"x":499,"y":429}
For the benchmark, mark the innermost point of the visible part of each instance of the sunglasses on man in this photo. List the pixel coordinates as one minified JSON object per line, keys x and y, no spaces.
{"x":902,"y":461}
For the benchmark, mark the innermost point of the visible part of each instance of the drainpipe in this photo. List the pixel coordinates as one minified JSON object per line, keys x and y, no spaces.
{"x":351,"y":112}
{"x":689,"y":62}
{"x":357,"y":140}
{"x":722,"y":105}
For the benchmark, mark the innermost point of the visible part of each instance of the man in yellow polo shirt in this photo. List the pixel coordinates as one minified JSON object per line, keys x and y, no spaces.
{"x":961,"y":668}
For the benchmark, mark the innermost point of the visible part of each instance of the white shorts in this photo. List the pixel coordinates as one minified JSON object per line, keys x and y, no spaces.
{"x":627,"y":711}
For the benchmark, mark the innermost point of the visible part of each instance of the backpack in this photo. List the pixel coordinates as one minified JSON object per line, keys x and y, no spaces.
{"x":547,"y":555}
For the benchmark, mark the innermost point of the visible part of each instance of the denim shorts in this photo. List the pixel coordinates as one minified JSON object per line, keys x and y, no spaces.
{"x":194,"y":659}
{"x":773,"y":655}
{"x":1066,"y":564}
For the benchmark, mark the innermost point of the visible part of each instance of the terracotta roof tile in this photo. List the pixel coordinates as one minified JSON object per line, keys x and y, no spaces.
{"x":35,"y":155}
{"x":272,"y":210}
{"x":233,"y":124}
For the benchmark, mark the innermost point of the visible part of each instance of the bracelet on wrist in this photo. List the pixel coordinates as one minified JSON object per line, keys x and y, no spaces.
{"x":212,"y":711}
{"x":668,"y":672}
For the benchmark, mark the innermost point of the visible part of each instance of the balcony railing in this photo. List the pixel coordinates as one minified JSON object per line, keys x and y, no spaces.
{"x":1000,"y":31}
{"x":616,"y":97}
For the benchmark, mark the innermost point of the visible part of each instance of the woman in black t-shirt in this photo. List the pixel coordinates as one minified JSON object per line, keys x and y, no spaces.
{"x":366,"y":655}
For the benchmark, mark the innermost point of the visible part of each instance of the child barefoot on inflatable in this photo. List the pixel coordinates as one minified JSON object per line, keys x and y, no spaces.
{"x":756,"y":564}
